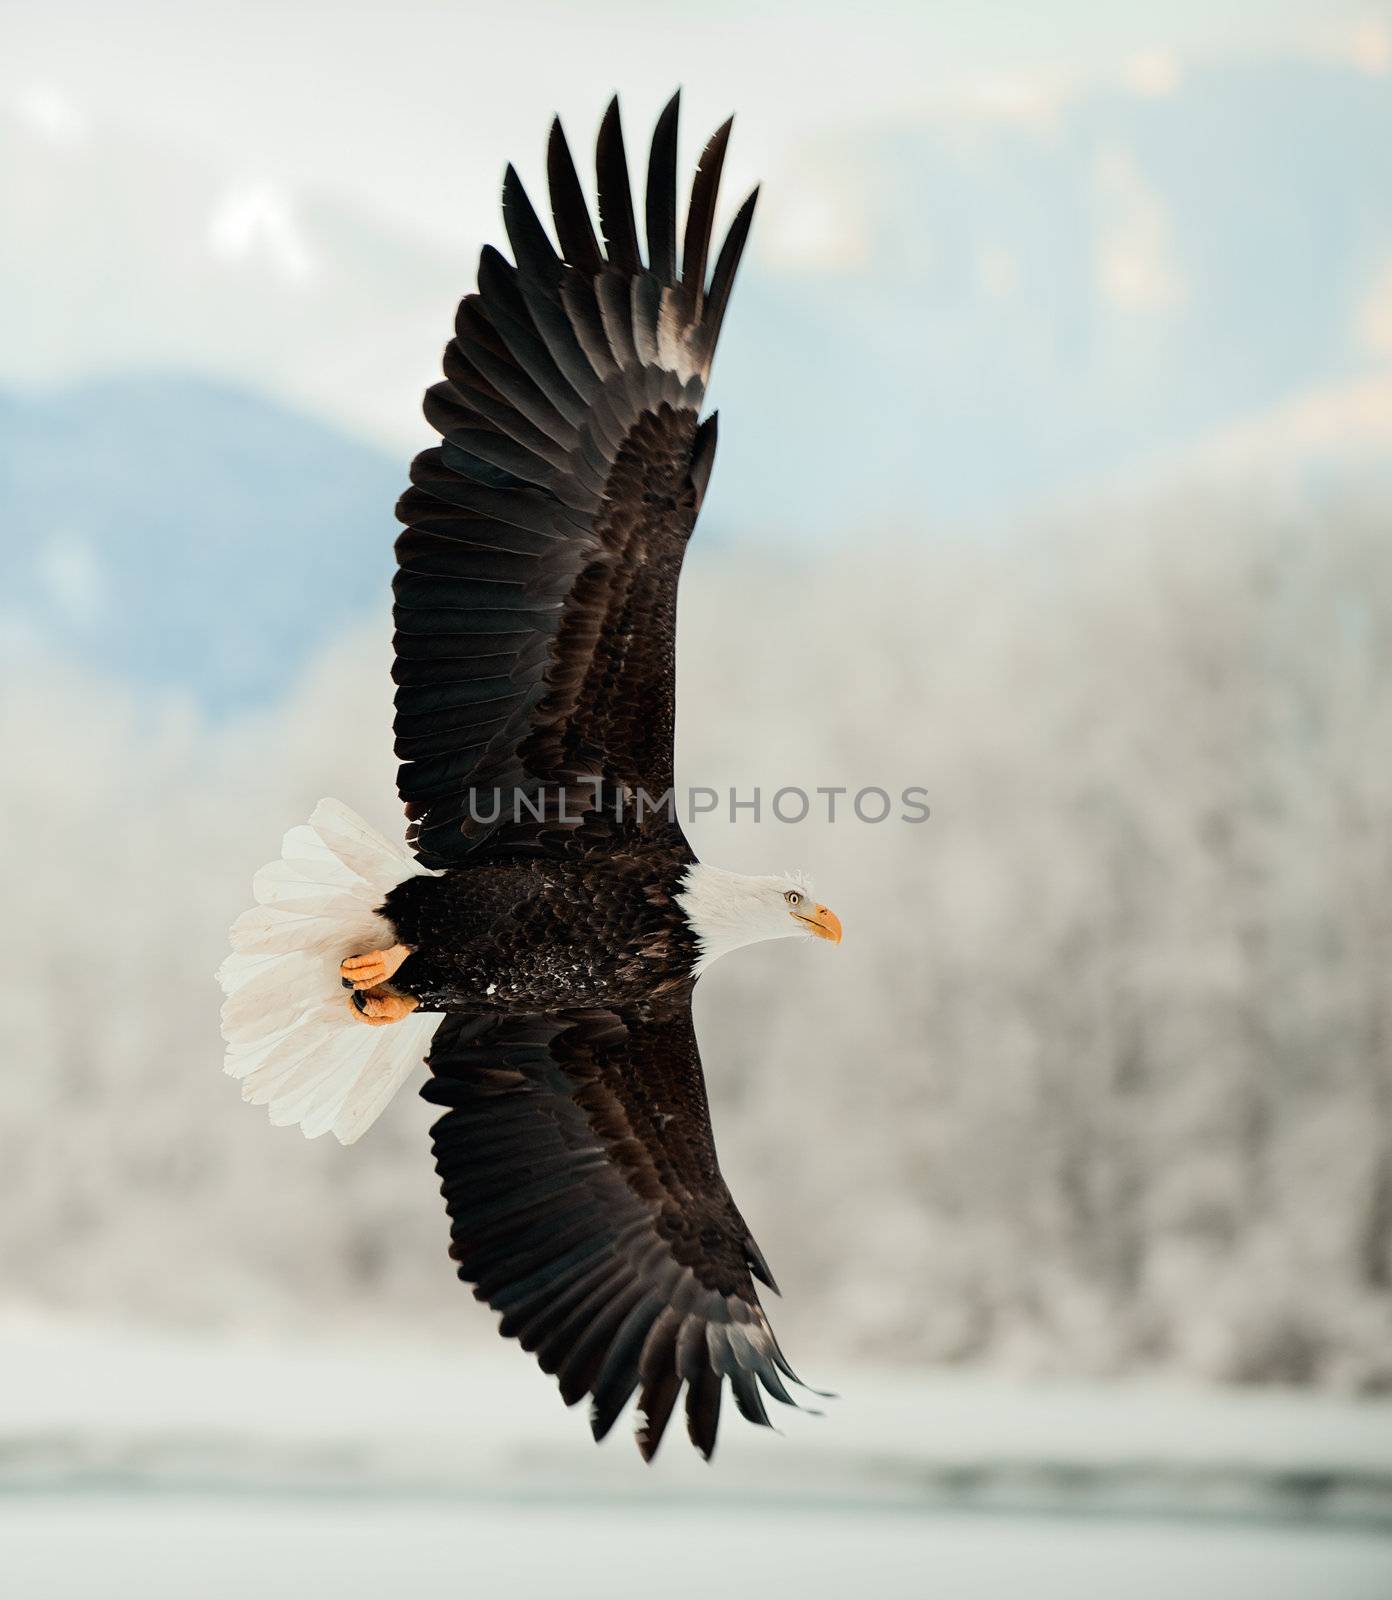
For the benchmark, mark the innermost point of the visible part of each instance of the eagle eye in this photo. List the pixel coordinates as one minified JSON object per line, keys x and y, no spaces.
{"x":793,"y":897}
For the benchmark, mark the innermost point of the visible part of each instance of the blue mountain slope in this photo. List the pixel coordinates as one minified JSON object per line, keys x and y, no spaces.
{"x":186,"y":535}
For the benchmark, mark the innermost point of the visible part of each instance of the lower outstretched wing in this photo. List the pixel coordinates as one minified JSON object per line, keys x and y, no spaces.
{"x":587,"y":1207}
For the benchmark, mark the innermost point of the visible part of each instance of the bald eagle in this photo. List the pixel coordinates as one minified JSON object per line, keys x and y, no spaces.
{"x":539,"y":946}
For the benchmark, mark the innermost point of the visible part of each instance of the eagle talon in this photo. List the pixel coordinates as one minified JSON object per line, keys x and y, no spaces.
{"x":373,"y":967}
{"x":377,"y":1008}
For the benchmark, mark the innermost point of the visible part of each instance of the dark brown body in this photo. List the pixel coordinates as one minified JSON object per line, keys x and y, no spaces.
{"x":538,"y":935}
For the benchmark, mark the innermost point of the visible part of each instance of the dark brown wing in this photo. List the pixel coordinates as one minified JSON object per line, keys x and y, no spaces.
{"x":587,"y":1206}
{"x":536,"y":596}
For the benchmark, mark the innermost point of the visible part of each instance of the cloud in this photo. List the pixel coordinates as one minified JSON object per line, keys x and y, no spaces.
{"x":1361,"y":43}
{"x":50,"y":115}
{"x":1345,"y":425}
{"x":1373,"y":322}
{"x":72,"y":578}
{"x":257,"y":222}
{"x":1370,"y":47}
{"x":997,"y":271}
{"x":1152,"y":74}
{"x":816,"y":223}
{"x":1035,"y":99}
{"x":1136,"y":263}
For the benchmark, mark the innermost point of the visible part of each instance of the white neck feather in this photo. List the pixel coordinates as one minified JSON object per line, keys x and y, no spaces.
{"x":727,"y":910}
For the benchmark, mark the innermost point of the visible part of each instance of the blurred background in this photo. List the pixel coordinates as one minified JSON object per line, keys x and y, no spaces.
{"x":1057,"y":391}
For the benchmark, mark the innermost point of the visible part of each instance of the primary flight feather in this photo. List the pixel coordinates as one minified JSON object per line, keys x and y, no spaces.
{"x":553,"y":911}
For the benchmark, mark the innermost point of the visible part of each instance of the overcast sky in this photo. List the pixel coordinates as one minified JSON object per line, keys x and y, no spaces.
{"x":389,"y":104}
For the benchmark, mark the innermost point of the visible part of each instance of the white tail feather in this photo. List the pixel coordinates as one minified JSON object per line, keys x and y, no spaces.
{"x":290,"y":1037}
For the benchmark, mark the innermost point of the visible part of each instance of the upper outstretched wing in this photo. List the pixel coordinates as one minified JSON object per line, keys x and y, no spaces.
{"x":536,"y":596}
{"x":586,"y":1206}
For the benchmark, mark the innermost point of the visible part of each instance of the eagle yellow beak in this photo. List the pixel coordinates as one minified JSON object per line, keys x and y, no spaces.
{"x":823,"y":922}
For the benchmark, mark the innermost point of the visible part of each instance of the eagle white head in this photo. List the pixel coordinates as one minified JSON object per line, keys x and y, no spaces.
{"x":729,"y":909}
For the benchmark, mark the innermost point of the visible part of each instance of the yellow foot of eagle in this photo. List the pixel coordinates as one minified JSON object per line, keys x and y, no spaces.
{"x":377,"y":1007}
{"x":375,"y":966}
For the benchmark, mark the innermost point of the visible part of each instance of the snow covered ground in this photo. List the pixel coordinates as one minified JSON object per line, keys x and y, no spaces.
{"x":218,"y":1549}
{"x":152,"y":1467}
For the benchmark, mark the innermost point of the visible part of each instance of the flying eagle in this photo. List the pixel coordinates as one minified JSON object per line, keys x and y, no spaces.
{"x":553,"y":911}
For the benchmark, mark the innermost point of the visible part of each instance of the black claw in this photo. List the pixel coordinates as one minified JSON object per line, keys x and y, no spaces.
{"x":360,"y":1001}
{"x":346,"y":982}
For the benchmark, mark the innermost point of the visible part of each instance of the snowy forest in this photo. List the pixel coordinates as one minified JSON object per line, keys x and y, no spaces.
{"x":1100,"y":1080}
